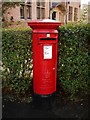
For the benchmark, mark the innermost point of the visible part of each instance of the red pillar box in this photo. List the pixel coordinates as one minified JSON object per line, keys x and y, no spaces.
{"x":44,"y":47}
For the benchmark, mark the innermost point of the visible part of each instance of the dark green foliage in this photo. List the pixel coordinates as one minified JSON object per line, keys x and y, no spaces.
{"x":73,"y":59}
{"x":73,"y":69}
{"x":16,"y":58}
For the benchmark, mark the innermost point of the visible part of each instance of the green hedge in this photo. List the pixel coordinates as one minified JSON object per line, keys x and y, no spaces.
{"x":17,"y":62}
{"x":73,"y":66}
{"x":72,"y":59}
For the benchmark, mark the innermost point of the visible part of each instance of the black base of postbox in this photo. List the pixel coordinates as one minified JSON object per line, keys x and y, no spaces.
{"x":43,"y":102}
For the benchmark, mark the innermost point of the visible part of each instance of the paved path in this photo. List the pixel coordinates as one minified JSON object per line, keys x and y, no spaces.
{"x":57,"y":109}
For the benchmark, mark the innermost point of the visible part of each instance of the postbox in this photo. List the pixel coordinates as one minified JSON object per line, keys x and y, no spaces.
{"x":44,"y":48}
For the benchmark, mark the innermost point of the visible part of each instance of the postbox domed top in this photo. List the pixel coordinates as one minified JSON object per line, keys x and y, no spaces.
{"x":44,"y":24}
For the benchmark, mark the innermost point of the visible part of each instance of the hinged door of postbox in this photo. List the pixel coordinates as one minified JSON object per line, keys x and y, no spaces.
{"x":45,"y":63}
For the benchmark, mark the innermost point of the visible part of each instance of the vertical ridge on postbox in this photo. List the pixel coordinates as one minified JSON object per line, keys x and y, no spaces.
{"x":45,"y":45}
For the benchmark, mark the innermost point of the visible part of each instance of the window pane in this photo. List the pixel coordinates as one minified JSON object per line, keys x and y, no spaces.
{"x":38,"y":13}
{"x":38,"y":2}
{"x":29,"y":1}
{"x":22,"y":11}
{"x":43,"y":13}
{"x":28,"y":12}
{"x":54,"y":15}
{"x":75,"y":14}
{"x":70,"y":13}
{"x":43,"y":3}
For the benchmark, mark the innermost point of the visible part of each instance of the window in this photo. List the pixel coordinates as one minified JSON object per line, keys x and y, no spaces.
{"x":70,"y":13}
{"x":38,"y":2}
{"x":25,"y":10}
{"x":43,"y":3}
{"x":75,"y":14}
{"x":40,"y":9}
{"x":54,"y":15}
{"x":28,"y":1}
{"x":43,"y":13}
{"x":38,"y":13}
{"x":28,"y":12}
{"x":22,"y":11}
